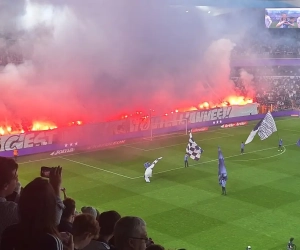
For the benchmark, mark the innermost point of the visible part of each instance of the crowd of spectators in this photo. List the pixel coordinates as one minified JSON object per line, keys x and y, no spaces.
{"x":10,"y":51}
{"x":277,"y":86}
{"x":36,"y":218}
{"x":283,"y":44}
{"x":7,"y":57}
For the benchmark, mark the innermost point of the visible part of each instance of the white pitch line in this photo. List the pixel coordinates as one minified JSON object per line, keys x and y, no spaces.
{"x":173,"y":145}
{"x":126,"y":146}
{"x":101,"y":169}
{"x":164,"y":135}
{"x":215,"y":130}
{"x":178,"y":135}
{"x":122,"y":145}
{"x":268,"y":157}
{"x":291,"y":130}
{"x":173,"y":169}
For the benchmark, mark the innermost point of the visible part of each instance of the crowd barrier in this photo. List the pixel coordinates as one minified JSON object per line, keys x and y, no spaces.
{"x":103,"y":135}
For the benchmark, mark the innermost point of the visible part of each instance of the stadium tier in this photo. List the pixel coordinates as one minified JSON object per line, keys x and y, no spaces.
{"x":128,"y":125}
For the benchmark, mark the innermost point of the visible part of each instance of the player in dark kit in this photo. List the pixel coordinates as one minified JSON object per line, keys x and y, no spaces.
{"x":223,"y":184}
{"x":280,"y":145}
{"x":186,"y":161}
{"x":242,"y":147}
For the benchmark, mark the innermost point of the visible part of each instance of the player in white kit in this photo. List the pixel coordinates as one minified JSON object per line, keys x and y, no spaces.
{"x":149,"y":169}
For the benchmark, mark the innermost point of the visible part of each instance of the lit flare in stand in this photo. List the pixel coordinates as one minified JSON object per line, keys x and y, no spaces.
{"x":39,"y":125}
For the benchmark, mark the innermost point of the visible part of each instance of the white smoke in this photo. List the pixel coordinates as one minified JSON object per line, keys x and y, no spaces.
{"x":90,"y":60}
{"x":248,"y":82}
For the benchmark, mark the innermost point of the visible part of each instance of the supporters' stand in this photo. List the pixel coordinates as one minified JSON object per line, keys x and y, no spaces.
{"x":10,"y":51}
{"x":7,"y":57}
{"x":279,"y":86}
{"x":269,"y":45}
{"x":268,"y":71}
{"x":58,"y":226}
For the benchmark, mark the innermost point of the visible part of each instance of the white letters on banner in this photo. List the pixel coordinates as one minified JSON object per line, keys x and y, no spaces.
{"x":63,"y":151}
{"x":175,"y":119}
{"x":106,"y":131}
{"x":20,"y":141}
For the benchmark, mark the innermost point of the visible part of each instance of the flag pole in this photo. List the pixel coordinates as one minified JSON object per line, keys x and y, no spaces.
{"x":277,"y":130}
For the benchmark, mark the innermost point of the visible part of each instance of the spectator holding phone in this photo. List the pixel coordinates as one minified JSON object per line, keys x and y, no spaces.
{"x":9,"y":183}
{"x":37,"y":218}
{"x":55,"y":179}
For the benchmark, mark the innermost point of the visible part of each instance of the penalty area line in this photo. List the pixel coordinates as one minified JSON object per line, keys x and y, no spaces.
{"x":232,"y":156}
{"x":267,"y":157}
{"x":100,"y":169}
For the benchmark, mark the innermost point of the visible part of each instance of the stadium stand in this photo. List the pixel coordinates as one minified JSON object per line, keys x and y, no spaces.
{"x":275,"y":44}
{"x":10,"y":52}
{"x":279,"y":86}
{"x":33,"y":220}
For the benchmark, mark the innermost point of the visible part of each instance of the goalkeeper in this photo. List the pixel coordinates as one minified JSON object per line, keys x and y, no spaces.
{"x":149,"y":168}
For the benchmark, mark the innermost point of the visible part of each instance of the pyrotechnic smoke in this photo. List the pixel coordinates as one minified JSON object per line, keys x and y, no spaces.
{"x":88,"y":60}
{"x":248,"y":82}
{"x":216,"y":71}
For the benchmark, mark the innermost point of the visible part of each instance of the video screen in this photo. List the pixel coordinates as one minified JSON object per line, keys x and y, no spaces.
{"x":282,"y":18}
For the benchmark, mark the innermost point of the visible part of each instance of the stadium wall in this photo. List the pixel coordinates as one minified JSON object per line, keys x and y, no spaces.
{"x":103,"y":135}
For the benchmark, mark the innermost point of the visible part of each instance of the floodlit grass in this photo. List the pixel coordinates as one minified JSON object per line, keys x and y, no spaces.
{"x":184,"y":207}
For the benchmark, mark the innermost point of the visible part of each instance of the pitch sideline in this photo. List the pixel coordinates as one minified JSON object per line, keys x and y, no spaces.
{"x":173,"y":145}
{"x":84,"y":152}
{"x":100,"y":169}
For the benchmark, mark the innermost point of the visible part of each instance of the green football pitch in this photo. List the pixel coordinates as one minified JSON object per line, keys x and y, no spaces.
{"x":183,"y":207}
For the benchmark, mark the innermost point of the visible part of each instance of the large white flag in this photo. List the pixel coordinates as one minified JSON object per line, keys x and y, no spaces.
{"x":264,"y":128}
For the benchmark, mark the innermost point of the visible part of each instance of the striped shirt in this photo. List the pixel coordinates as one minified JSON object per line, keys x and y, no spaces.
{"x":8,"y":214}
{"x":13,"y":239}
{"x":97,"y":245}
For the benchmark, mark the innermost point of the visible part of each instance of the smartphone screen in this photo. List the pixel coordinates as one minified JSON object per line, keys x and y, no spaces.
{"x":45,"y":172}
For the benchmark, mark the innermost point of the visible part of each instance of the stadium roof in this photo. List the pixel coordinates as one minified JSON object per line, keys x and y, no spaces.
{"x":238,"y":3}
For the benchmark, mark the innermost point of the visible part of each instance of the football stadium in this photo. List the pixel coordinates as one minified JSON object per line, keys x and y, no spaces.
{"x":151,"y":126}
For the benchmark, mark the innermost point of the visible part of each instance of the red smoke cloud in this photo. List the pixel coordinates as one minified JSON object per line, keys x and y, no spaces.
{"x":87,"y":61}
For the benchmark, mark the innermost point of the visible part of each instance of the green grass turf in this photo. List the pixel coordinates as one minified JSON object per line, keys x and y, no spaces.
{"x":184,"y":207}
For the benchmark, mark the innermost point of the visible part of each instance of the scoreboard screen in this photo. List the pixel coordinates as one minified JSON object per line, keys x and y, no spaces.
{"x":282,"y":18}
